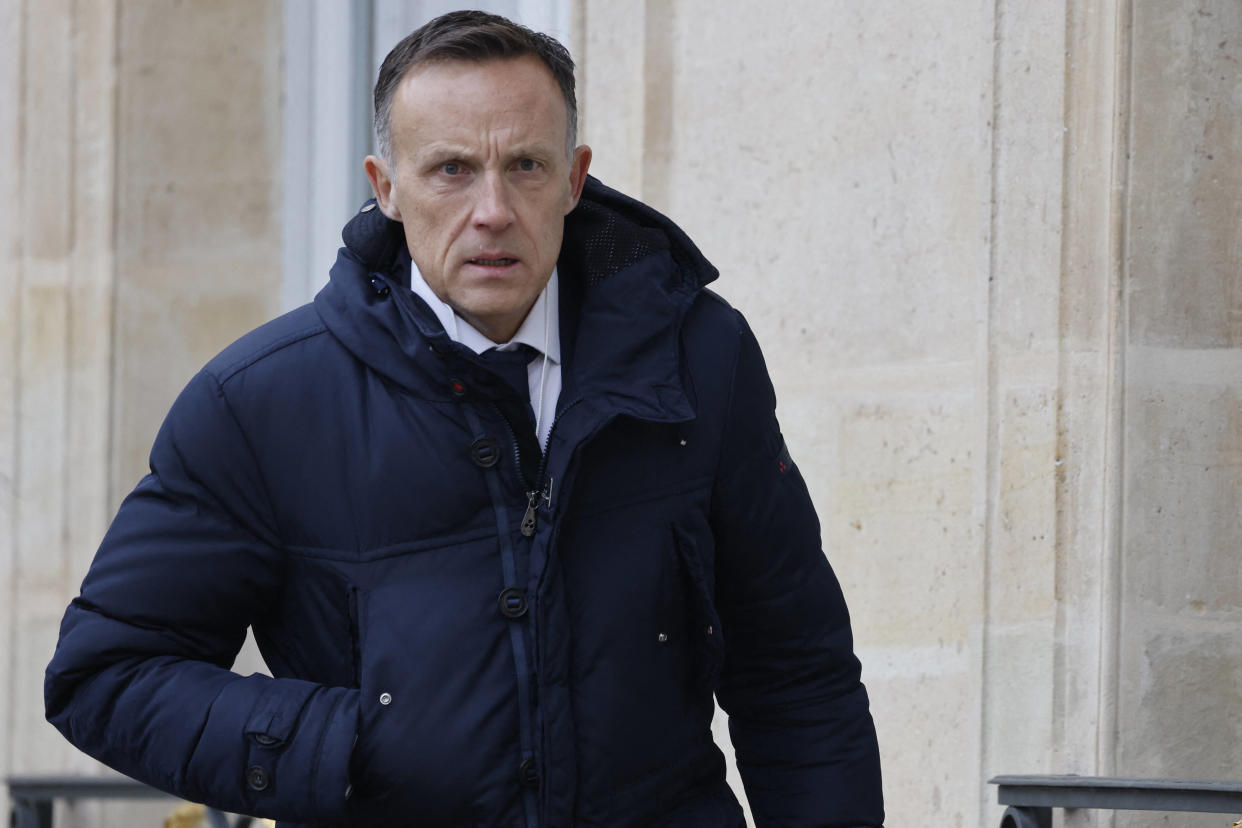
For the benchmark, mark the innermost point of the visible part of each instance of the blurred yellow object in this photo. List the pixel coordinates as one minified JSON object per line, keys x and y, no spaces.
{"x":188,"y":815}
{"x":192,"y":815}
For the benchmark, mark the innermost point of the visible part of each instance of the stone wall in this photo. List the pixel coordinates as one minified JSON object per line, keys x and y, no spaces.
{"x":139,"y":158}
{"x":1180,"y":654}
{"x":57,"y":140}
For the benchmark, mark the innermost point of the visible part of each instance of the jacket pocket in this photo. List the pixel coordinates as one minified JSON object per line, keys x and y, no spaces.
{"x":704,"y":636}
{"x":365,"y":780}
{"x":355,"y":634}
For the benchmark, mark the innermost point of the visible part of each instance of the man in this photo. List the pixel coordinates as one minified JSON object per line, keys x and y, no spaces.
{"x":495,"y":586}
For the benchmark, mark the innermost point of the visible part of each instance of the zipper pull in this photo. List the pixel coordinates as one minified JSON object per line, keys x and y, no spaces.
{"x":528,"y":521}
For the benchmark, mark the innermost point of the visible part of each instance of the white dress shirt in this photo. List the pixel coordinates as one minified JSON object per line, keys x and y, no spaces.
{"x":541,"y":330}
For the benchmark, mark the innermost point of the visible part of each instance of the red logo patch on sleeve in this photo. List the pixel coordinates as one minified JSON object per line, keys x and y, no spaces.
{"x":783,"y":461}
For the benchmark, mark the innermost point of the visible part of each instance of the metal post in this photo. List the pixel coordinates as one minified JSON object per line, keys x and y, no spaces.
{"x":1015,"y":817}
{"x":31,"y":813}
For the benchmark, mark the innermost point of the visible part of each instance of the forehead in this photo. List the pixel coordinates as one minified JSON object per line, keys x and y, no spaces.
{"x":516,"y":98}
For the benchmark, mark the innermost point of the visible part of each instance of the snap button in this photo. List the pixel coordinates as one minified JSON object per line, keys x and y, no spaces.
{"x":485,"y":452}
{"x":528,"y":776}
{"x":263,"y":739}
{"x":257,"y":778}
{"x":457,"y":387}
{"x":513,"y":602}
{"x":385,"y":699}
{"x":662,"y":638}
{"x":379,"y":286}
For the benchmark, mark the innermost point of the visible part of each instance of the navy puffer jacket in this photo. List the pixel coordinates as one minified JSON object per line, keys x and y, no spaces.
{"x":462,"y":630}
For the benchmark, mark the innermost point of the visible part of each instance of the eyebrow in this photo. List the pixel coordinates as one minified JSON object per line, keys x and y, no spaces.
{"x":440,"y":150}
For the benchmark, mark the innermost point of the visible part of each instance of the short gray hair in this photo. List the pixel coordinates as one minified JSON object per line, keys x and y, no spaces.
{"x":470,"y":36}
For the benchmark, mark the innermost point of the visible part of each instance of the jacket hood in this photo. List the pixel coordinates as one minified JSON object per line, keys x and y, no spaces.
{"x":628,"y":276}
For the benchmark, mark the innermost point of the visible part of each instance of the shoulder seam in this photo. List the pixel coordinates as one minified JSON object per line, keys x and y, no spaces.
{"x":254,"y":461}
{"x":739,"y":324}
{"x":230,"y":370}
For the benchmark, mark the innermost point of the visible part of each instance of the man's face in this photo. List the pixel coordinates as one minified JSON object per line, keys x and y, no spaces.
{"x":481,"y":180}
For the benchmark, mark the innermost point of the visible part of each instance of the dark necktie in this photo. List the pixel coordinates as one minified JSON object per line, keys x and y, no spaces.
{"x":512,"y":367}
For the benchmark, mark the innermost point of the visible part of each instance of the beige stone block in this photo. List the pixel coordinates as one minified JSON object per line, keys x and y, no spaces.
{"x":48,"y":126}
{"x":1085,"y":580}
{"x":1022,"y":576}
{"x":202,"y":127}
{"x":1096,"y":97}
{"x":809,"y":167}
{"x":1029,"y":135}
{"x":94,"y":146}
{"x":91,"y":280}
{"x":900,"y":522}
{"x":1083,"y":429}
{"x":1179,"y":701}
{"x":42,"y":461}
{"x":612,"y":92}
{"x":11,"y":32}
{"x":1018,"y":711}
{"x":928,"y":731}
{"x":224,"y":225}
{"x":1185,"y":232}
{"x":1087,"y":555}
{"x":1183,"y":502}
{"x":89,"y":392}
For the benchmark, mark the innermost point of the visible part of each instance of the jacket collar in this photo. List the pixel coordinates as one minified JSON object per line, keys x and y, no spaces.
{"x":628,"y":275}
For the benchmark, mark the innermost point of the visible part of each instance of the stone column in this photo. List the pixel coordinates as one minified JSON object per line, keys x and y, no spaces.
{"x":1180,"y":652}
{"x":57,"y":177}
{"x":139,"y":150}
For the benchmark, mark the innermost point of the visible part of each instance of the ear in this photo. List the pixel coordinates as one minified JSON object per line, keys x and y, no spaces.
{"x":383,"y":186}
{"x":578,"y":167}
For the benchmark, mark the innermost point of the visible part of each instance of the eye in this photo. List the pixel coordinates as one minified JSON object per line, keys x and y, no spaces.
{"x":450,"y":168}
{"x":528,"y":165}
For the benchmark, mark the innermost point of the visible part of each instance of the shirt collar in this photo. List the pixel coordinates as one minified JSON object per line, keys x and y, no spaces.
{"x":546,"y":310}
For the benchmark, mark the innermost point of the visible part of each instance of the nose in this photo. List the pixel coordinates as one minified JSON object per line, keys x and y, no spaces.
{"x":493,"y":207}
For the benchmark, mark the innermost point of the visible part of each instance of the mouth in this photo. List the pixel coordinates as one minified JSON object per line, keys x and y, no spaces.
{"x":497,"y":261}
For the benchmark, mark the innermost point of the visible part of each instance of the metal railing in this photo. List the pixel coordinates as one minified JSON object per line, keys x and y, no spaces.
{"x":1032,"y":798}
{"x":33,"y":797}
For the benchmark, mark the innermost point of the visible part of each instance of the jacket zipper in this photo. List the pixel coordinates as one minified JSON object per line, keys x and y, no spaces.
{"x":541,"y":491}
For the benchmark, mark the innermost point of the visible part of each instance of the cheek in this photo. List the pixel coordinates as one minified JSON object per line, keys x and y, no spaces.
{"x":434,"y":225}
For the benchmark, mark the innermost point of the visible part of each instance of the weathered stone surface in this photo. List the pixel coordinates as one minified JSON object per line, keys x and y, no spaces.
{"x":198,"y":238}
{"x":1184,"y":501}
{"x":927,"y":723}
{"x":1185,"y":234}
{"x":11,"y":121}
{"x":803,"y":166}
{"x":898,"y":524}
{"x":1178,"y":707}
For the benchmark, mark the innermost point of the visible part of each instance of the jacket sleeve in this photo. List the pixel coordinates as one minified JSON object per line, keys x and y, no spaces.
{"x":798,"y":712}
{"x":140,"y":678}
